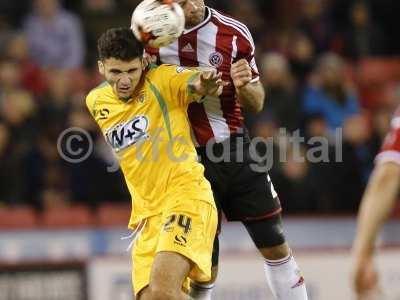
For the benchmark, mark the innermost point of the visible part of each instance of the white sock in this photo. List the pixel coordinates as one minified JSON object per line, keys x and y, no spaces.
{"x":284,"y":279}
{"x":201,"y":291}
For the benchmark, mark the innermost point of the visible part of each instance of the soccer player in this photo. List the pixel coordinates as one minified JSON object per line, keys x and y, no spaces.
{"x":143,"y":116}
{"x":213,"y":40}
{"x":376,"y":205}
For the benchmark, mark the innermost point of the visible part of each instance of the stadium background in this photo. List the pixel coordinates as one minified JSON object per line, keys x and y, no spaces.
{"x":61,"y":221}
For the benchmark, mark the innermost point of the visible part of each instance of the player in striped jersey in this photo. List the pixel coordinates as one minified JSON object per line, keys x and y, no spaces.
{"x":377,"y":203}
{"x":212,"y":40}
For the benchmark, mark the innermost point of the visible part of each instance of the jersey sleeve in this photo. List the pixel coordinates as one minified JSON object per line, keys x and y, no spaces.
{"x":176,"y":80}
{"x":246,"y":49}
{"x":91,"y":103}
{"x":390,"y":150}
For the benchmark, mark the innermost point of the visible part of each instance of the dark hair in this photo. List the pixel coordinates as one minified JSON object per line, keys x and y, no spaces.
{"x":119,"y":43}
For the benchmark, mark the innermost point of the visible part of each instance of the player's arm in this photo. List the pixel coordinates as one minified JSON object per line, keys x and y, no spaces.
{"x":251,"y":94}
{"x":245,"y":75}
{"x":376,"y":205}
{"x":186,"y":86}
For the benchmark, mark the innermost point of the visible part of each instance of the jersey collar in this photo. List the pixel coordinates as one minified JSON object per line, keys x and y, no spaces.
{"x":205,"y":21}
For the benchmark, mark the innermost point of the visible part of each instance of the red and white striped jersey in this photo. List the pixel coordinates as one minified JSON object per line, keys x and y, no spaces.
{"x":390,"y":150}
{"x":216,"y":43}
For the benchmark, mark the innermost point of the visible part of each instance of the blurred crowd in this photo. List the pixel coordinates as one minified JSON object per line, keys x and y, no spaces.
{"x":325,"y":64}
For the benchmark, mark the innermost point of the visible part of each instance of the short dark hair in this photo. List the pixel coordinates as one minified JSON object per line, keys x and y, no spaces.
{"x":119,"y":43}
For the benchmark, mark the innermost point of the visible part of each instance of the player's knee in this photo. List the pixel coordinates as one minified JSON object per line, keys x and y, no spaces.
{"x":267,"y":233}
{"x":276,"y":252}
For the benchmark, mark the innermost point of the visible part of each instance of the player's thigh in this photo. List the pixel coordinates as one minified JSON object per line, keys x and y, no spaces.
{"x":189,"y":229}
{"x":169,"y":271}
{"x":252,"y":195}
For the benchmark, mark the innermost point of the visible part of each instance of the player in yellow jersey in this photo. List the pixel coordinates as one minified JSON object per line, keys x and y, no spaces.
{"x":142,"y":113}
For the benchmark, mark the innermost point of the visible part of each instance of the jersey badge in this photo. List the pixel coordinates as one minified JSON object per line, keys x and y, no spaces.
{"x":216,"y":59}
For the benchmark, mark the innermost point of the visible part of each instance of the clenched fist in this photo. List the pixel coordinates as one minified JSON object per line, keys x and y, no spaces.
{"x":241,"y":73}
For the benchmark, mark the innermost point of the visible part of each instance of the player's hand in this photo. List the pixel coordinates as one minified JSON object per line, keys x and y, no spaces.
{"x":148,"y":59}
{"x":211,"y":83}
{"x":365,"y":278}
{"x":241,"y":73}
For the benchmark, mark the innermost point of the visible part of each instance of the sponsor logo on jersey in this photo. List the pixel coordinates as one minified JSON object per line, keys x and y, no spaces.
{"x":129,"y":133}
{"x":180,"y":240}
{"x":187,"y":48}
{"x":101,"y":114}
{"x":216,"y":59}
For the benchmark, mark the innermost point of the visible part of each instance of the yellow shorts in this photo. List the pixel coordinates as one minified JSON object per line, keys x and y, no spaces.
{"x":185,"y":227}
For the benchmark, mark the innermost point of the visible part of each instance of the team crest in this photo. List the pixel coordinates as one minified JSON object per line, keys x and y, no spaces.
{"x":129,"y":133}
{"x":216,"y":59}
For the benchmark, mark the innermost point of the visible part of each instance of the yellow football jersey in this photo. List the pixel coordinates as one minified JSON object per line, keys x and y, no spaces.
{"x":151,"y":137}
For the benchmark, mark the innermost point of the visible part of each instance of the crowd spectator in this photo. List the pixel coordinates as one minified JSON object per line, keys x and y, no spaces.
{"x":329,"y":95}
{"x":32,"y":77}
{"x":315,"y":22}
{"x":283,"y":101}
{"x":55,"y":36}
{"x":301,"y":57}
{"x":363,"y":38}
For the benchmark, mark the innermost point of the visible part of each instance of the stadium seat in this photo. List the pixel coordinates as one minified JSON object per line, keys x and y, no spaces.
{"x":113,"y":214}
{"x":74,"y":216}
{"x":378,"y":71}
{"x":18,"y":217}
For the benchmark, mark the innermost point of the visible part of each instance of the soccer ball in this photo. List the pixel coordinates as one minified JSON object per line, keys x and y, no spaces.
{"x":158,"y":23}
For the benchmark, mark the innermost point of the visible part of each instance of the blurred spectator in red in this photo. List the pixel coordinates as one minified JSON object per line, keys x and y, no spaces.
{"x":32,"y":77}
{"x":54,"y":36}
{"x":363,"y":38}
{"x":329,"y":94}
{"x":17,"y":106}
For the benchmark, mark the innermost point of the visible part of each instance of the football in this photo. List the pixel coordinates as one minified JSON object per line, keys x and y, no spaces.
{"x":157,"y":23}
